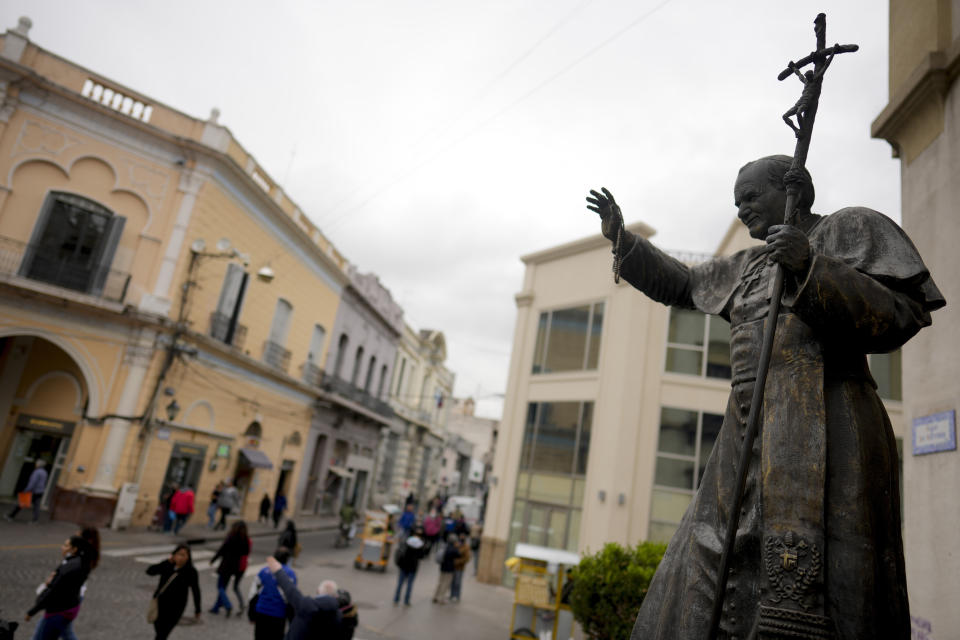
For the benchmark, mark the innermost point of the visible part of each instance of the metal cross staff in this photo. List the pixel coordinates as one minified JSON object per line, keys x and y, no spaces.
{"x":805,"y":111}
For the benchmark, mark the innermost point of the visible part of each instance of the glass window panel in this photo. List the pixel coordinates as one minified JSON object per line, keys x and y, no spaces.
{"x":536,"y":525}
{"x":516,"y":522}
{"x":674,"y":473}
{"x":583,"y":448}
{"x":556,"y":437}
{"x":718,"y":349}
{"x":596,"y":328}
{"x":684,"y":361}
{"x":573,"y":535}
{"x":709,"y":431}
{"x":529,"y":432}
{"x":678,"y":431}
{"x":886,"y":371}
{"x":669,"y":506}
{"x":557,"y":529}
{"x":578,"y":486}
{"x":568,"y":339}
{"x":523,"y":482}
{"x":541,"y":343}
{"x":661,"y":532}
{"x":550,"y":488}
{"x":686,"y":327}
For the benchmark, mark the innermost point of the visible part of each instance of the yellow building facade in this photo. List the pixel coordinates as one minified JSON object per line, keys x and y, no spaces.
{"x":160,"y":299}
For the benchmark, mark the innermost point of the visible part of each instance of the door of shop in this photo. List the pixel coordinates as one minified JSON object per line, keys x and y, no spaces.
{"x":36,"y":439}
{"x":186,"y":465}
{"x":545,"y":525}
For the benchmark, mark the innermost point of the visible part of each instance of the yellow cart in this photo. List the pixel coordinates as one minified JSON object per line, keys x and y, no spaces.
{"x":377,"y":539}
{"x":538,"y":609}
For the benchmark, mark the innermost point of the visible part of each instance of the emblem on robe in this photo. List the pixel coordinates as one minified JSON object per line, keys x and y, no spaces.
{"x":793,"y":565}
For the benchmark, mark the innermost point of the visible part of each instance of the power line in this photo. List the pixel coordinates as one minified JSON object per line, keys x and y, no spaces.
{"x":588,"y":54}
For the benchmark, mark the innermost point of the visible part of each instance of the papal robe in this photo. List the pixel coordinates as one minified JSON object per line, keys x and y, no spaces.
{"x":818,"y":550}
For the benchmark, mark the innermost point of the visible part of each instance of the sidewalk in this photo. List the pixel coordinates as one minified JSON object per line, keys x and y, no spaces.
{"x":23,"y":534}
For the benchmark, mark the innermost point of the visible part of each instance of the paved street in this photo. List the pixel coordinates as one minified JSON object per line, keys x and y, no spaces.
{"x":119,"y":590}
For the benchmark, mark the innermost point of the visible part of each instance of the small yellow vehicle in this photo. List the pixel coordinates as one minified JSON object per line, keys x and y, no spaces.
{"x":377,"y":540}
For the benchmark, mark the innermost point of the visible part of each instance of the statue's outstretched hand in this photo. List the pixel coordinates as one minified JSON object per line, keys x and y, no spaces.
{"x":611,"y":220}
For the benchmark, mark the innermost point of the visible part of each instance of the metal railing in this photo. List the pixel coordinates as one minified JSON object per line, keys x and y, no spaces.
{"x":312,"y":374}
{"x":220,"y":327}
{"x":343,"y":388}
{"x":276,"y":356}
{"x":40,"y":264}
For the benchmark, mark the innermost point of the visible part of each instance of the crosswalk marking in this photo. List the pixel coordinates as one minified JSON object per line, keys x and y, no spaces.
{"x":134,"y":551}
{"x":200,"y":554}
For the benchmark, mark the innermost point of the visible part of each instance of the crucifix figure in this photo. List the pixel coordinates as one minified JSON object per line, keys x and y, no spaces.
{"x":815,"y":468}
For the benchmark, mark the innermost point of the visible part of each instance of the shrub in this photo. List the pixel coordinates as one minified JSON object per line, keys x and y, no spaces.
{"x":609,"y":587}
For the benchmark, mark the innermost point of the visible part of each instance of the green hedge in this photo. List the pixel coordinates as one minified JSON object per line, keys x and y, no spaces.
{"x":609,"y":587}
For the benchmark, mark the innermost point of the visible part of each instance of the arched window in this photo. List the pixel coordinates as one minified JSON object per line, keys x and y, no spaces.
{"x":383,"y":378}
{"x":73,"y":243}
{"x":357,"y":364}
{"x":254,"y":430}
{"x":371,"y":369}
{"x":341,"y":354}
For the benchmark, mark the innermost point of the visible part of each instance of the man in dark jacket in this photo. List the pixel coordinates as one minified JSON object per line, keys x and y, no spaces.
{"x":450,"y":554}
{"x":317,"y":617}
{"x":408,"y":558}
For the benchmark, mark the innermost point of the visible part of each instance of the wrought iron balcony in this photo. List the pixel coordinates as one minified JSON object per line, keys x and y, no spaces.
{"x":39,"y":264}
{"x":276,"y":356}
{"x":334,"y":384}
{"x":220,"y":329}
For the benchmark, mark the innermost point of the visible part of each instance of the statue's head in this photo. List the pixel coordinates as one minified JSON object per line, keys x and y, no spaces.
{"x":760,"y":193}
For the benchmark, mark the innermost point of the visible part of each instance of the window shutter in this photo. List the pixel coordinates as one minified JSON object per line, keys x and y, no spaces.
{"x":108,"y":248}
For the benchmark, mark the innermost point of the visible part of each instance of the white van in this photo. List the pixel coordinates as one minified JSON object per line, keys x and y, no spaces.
{"x":472,"y":508}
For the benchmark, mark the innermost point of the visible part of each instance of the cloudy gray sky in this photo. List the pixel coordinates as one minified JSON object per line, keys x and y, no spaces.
{"x":436,"y":141}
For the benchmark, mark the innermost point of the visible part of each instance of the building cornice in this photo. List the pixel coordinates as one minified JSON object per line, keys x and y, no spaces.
{"x":930,"y":80}
{"x":582,"y":245}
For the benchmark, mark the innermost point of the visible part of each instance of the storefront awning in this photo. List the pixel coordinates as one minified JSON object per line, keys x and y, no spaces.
{"x":340,"y":471}
{"x":257,"y":459}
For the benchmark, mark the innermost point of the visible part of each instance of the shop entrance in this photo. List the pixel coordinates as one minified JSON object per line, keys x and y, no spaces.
{"x":185,"y":466}
{"x":36,"y":439}
{"x":286,"y":470}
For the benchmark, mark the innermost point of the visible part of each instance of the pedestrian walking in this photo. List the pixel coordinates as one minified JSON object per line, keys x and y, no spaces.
{"x":178,"y":577}
{"x":317,"y":617}
{"x":91,"y":553}
{"x":288,"y":539}
{"x":407,"y":557}
{"x":166,"y":500}
{"x":432,"y":526}
{"x":59,"y":596}
{"x":181,"y":504}
{"x":212,"y":509}
{"x":279,"y":506}
{"x":407,"y":519}
{"x":35,"y":488}
{"x":268,"y":609}
{"x":264,"y":516}
{"x":233,"y":555}
{"x":475,"y":537}
{"x":227,"y":501}
{"x":459,"y":564}
{"x":450,"y":553}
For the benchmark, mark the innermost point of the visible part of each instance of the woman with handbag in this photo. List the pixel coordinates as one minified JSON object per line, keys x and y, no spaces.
{"x":177,"y":577}
{"x":233,"y":562}
{"x":60,"y":595}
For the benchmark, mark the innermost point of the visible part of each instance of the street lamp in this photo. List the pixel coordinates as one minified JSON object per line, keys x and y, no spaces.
{"x":172,"y":410}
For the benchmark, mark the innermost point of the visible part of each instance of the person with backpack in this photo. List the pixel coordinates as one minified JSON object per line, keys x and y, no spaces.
{"x":316,"y":617}
{"x":447,"y":558}
{"x":268,"y":609}
{"x":407,"y":558}
{"x":228,"y":500}
{"x":456,"y":586}
{"x":60,"y":597}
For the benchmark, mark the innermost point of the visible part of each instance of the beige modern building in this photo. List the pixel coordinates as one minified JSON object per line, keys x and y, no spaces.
{"x":163,"y":304}
{"x":613,"y":404}
{"x":922,"y":124}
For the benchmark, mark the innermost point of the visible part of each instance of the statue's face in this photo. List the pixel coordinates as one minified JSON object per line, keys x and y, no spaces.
{"x":760,"y":203}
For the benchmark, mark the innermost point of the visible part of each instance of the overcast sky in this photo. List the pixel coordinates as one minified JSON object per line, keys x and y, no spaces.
{"x":435,"y":142}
